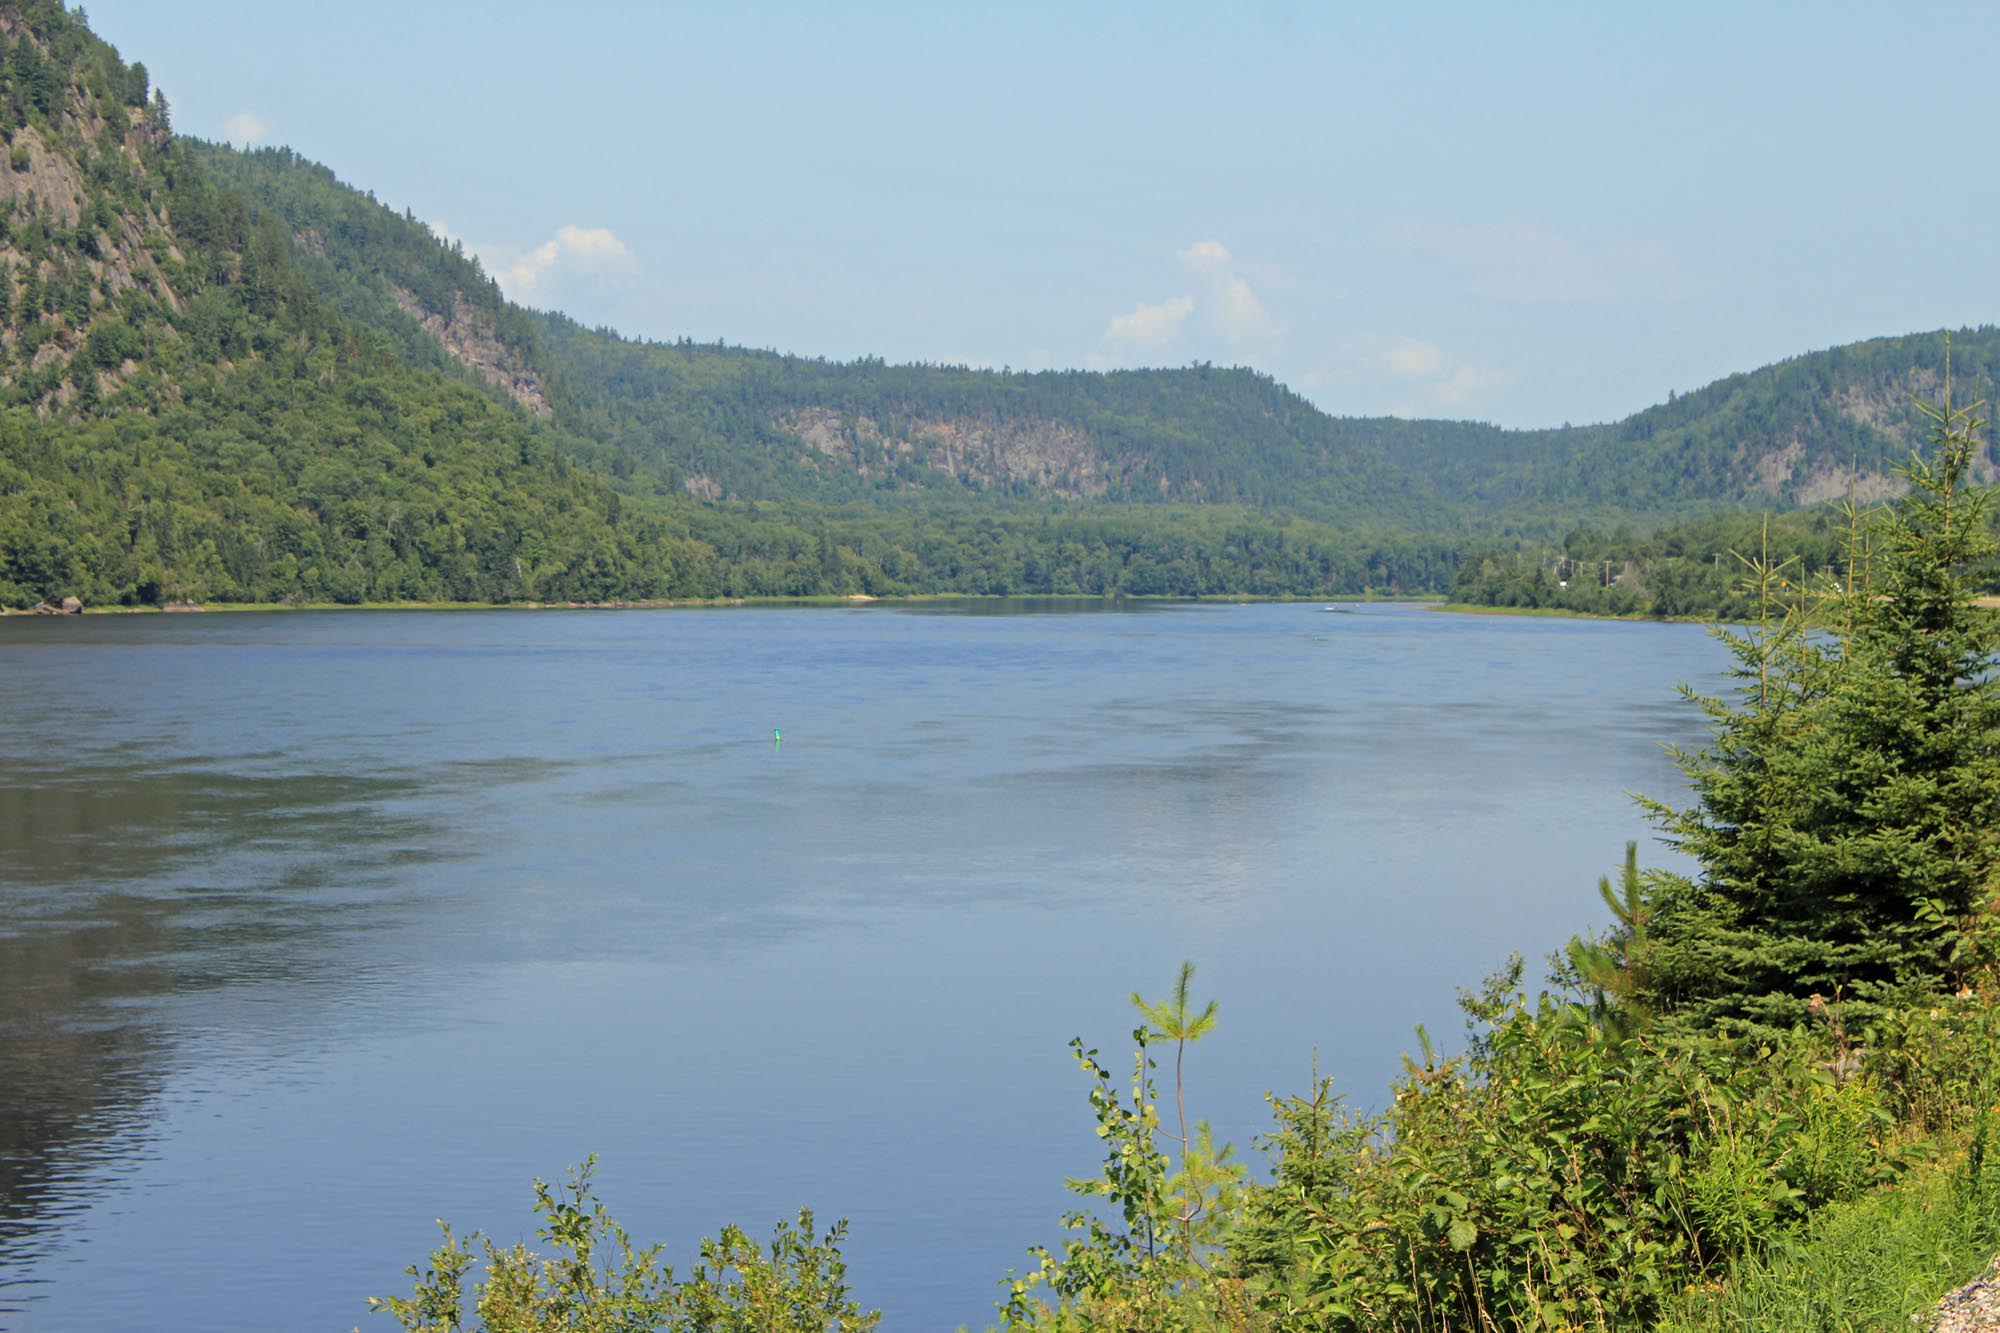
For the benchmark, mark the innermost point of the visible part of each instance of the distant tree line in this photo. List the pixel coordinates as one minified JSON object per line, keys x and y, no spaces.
{"x":1696,"y":570}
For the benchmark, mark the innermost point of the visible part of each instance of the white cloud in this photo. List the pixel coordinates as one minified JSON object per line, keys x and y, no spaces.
{"x":1517,"y":261}
{"x":1222,"y":312}
{"x":1413,"y":358}
{"x":1204,"y":256}
{"x":1398,"y":364}
{"x":591,"y":245}
{"x":522,"y":273}
{"x":1149,"y":324}
{"x":1467,"y":381}
{"x":1236,"y":309}
{"x":1227,"y":305}
{"x":246,"y":128}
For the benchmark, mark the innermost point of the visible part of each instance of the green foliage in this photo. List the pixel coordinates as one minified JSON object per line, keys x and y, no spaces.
{"x":765,"y":426}
{"x":199,"y":296}
{"x":266,"y":414}
{"x":1941,"y":1061}
{"x":596,"y":1282}
{"x":1614,"y":969}
{"x":227,"y":376}
{"x":1103,"y":1263}
{"x":1202,"y":434}
{"x":384,"y":271}
{"x":1151,"y":1268}
{"x":1843,"y":826}
{"x":1692,"y":569}
{"x":1868,"y":1263}
{"x":1562,"y":1174}
{"x":1173,"y":1020}
{"x":1555,"y":1176}
{"x":1845,"y":813}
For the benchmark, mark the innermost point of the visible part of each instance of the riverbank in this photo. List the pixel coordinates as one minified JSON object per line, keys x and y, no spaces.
{"x":1564,"y":613}
{"x":825,"y":599}
{"x":1989,"y":603}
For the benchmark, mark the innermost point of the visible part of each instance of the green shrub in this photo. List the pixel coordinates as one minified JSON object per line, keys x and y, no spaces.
{"x":1554,"y":1176}
{"x":1870,"y":1263}
{"x":1938,"y":1060}
{"x":1154,"y":1267}
{"x":595,"y":1282}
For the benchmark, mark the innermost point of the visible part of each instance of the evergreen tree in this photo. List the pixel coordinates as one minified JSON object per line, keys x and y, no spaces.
{"x":1845,"y":814}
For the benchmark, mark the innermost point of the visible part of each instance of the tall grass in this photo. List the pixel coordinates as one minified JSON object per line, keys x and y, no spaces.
{"x":1867,"y":1264}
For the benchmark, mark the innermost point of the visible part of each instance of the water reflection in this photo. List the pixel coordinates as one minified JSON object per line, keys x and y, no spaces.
{"x":127,"y":885}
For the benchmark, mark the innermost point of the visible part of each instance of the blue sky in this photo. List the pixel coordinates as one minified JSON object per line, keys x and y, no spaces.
{"x":1525,"y":214}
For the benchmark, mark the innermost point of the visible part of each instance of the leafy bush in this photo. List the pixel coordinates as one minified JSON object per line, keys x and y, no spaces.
{"x":1555,"y":1176}
{"x":1869,"y":1263}
{"x":595,"y":1282}
{"x":1157,"y":1266}
{"x":1941,"y":1060}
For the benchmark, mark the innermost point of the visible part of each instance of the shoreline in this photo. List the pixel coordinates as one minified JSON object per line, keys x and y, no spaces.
{"x":1989,"y":602}
{"x":1559,"y":612}
{"x":859,"y":599}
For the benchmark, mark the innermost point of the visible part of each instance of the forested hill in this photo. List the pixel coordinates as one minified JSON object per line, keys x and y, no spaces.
{"x":720,"y":421}
{"x":200,"y":400}
{"x":732,"y":421}
{"x":228,"y":376}
{"x":184,"y":413}
{"x":714,"y":422}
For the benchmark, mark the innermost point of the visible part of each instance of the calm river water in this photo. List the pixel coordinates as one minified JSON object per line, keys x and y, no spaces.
{"x":317,"y":927}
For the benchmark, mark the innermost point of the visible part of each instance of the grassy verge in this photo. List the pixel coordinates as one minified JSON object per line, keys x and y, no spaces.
{"x":1867,"y":1264}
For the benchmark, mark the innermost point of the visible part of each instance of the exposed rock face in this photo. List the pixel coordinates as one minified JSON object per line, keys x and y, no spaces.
{"x":1778,"y":476}
{"x":1774,"y":469}
{"x":469,"y":336}
{"x":49,"y":180}
{"x":831,"y":433}
{"x":44,"y":176}
{"x":1869,"y":487}
{"x":1890,"y":407}
{"x":1054,"y":459}
{"x":1787,"y":467}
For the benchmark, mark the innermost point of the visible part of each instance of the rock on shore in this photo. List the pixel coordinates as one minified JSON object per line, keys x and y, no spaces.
{"x":1973,"y":1308}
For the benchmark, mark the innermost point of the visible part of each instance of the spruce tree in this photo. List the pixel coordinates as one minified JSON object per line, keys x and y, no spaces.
{"x":1845,"y":813}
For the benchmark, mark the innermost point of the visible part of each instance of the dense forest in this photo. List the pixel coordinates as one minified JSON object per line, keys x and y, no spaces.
{"x":729,"y":421}
{"x":201,"y":405}
{"x":228,"y":377}
{"x":1698,"y":569}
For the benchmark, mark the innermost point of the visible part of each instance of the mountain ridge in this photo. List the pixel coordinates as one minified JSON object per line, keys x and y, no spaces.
{"x":843,"y":427}
{"x":227,"y":375}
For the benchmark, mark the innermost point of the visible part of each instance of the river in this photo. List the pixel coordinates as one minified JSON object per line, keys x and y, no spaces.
{"x":317,"y":927}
